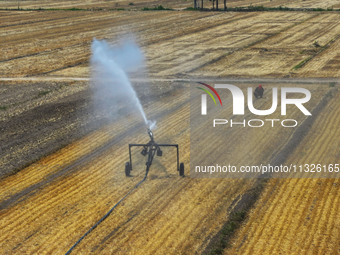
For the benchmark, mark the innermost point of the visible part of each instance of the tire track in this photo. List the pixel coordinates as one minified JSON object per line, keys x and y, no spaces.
{"x":29,"y":191}
{"x":278,"y":237}
{"x":280,"y":158}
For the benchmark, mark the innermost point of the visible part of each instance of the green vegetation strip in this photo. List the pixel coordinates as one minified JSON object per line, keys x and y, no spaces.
{"x":238,"y":214}
{"x":321,"y":49}
{"x":303,"y":62}
{"x":43,"y":93}
{"x":45,"y":9}
{"x":157,"y":8}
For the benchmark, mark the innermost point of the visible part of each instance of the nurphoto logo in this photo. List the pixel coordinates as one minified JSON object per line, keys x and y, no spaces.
{"x":238,"y":104}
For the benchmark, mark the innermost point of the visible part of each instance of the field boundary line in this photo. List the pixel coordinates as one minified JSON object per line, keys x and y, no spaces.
{"x":250,"y":8}
{"x":185,"y":79}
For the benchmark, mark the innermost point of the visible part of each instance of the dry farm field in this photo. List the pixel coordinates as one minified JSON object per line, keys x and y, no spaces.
{"x":48,"y":205}
{"x":176,"y":44}
{"x":62,"y":165}
{"x":299,"y":216}
{"x":177,"y":4}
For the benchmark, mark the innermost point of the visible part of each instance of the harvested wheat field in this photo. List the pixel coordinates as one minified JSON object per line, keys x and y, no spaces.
{"x":299,"y":216}
{"x":62,"y":164}
{"x":47,"y":206}
{"x":176,"y":44}
{"x":178,"y":4}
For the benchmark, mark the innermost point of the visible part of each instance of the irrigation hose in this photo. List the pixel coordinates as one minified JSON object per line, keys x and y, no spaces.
{"x":108,"y":213}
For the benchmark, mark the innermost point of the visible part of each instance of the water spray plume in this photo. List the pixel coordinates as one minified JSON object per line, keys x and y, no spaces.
{"x":110,"y":67}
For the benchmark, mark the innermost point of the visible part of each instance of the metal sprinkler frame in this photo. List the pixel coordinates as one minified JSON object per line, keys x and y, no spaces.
{"x":151,"y":148}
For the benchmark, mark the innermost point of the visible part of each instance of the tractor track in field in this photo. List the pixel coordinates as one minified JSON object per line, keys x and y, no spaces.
{"x":292,"y":209}
{"x":302,"y":130}
{"x":243,"y":204}
{"x":68,"y":163}
{"x":99,"y":242}
{"x":73,"y":167}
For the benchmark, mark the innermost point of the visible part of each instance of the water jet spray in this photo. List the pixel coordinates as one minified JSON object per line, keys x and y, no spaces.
{"x":113,"y":94}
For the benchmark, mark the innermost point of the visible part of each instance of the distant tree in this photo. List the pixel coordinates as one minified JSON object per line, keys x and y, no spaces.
{"x":202,"y":4}
{"x":213,"y":4}
{"x":225,"y":5}
{"x":195,"y":4}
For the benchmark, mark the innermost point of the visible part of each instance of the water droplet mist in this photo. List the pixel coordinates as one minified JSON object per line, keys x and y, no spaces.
{"x":113,"y":92}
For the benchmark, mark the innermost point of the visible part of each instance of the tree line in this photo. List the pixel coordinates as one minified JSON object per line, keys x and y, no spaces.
{"x":199,"y":4}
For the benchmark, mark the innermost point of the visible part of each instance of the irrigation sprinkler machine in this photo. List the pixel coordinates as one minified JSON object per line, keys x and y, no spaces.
{"x":150,"y":149}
